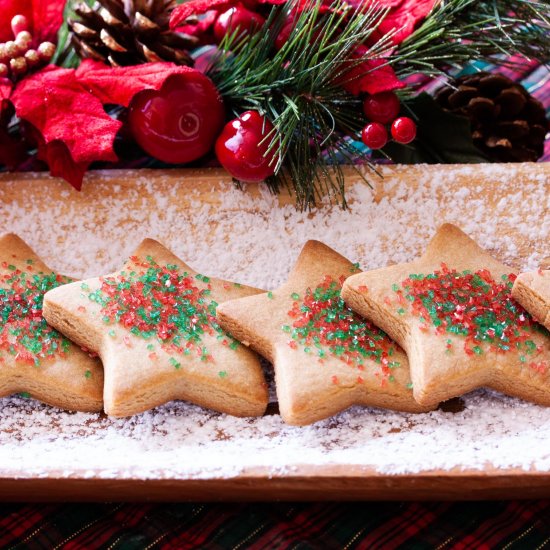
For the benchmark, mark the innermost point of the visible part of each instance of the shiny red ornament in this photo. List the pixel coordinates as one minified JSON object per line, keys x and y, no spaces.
{"x":403,"y":130}
{"x":382,"y":107}
{"x":237,"y":19}
{"x":179,"y":123}
{"x":374,"y":135}
{"x":242,"y":148}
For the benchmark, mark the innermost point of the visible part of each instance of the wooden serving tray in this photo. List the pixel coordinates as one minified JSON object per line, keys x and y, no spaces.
{"x":212,"y":226}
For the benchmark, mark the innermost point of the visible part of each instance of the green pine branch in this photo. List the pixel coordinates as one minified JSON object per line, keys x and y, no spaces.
{"x":299,"y":88}
{"x":460,"y":31}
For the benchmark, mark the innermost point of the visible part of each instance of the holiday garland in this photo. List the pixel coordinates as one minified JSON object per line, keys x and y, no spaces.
{"x":298,"y":84}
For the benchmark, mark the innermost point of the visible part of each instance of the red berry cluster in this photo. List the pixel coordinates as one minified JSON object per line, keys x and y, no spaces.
{"x":16,"y":56}
{"x":381,"y":109}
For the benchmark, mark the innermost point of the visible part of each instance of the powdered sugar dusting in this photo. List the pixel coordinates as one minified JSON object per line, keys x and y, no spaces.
{"x":254,"y":240}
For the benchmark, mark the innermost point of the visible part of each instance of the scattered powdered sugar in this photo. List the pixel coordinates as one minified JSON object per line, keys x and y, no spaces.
{"x":254,"y":240}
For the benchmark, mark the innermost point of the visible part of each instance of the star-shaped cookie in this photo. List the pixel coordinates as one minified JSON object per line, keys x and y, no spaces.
{"x":326,"y":358}
{"x":35,"y":359}
{"x":532,"y":291}
{"x":153,"y":325}
{"x":453,"y":313}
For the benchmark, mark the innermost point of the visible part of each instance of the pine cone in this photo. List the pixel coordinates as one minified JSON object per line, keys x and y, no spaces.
{"x":508,"y":124}
{"x":129,"y":32}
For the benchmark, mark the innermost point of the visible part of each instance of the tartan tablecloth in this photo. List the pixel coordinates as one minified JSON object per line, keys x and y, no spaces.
{"x":513,"y":524}
{"x":456,"y":526}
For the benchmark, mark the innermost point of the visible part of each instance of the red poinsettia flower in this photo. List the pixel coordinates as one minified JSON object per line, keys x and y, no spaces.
{"x":62,"y":110}
{"x":403,"y":16}
{"x":43,"y":16}
{"x":66,"y":108}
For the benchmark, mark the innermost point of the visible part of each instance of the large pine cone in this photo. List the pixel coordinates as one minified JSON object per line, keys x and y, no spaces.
{"x":129,"y":32}
{"x":508,"y":124}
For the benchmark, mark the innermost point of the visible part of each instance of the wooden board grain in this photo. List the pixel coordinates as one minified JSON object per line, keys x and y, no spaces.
{"x":182,"y":189}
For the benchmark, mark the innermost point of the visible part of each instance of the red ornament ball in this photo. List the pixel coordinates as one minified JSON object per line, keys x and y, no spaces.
{"x":374,"y":135}
{"x":403,"y":129}
{"x":180,"y":122}
{"x":240,"y":150}
{"x":238,"y":17}
{"x":382,"y":107}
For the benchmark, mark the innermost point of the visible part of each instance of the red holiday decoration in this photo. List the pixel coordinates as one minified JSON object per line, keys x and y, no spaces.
{"x":44,"y":18}
{"x":178,"y":123}
{"x":370,"y":75}
{"x":242,"y":147}
{"x":402,"y":19}
{"x":382,"y":107}
{"x":374,"y":135}
{"x":237,"y":19}
{"x":66,"y":108}
{"x":403,"y":129}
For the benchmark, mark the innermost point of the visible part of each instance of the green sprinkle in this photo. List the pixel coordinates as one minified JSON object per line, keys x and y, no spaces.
{"x":25,"y":395}
{"x":174,"y":363}
{"x":88,"y":374}
{"x":222,"y":374}
{"x":295,"y":296}
{"x":270,"y":295}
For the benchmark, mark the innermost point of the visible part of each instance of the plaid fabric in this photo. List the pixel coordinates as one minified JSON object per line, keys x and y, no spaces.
{"x":456,"y":526}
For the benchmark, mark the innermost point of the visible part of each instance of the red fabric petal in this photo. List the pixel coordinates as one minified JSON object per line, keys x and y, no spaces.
{"x":61,"y":164}
{"x":5,"y":93}
{"x":120,"y":84}
{"x":196,"y":7}
{"x":47,"y":19}
{"x":404,"y":17}
{"x":44,"y":16}
{"x":372,"y":76}
{"x":62,"y":109}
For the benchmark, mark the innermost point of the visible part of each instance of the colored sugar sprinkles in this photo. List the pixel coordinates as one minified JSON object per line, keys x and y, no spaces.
{"x":162,"y":304}
{"x":24,"y":333}
{"x":472,"y":305}
{"x":323,"y":324}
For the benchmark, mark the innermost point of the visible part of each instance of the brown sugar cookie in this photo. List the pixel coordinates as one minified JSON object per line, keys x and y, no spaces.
{"x":153,"y":324}
{"x":326,"y":358}
{"x":35,"y":359}
{"x":532,"y":291}
{"x":453,"y":312}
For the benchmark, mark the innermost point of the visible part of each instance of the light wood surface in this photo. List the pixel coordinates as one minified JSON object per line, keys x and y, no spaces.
{"x":339,"y":482}
{"x":184,"y":187}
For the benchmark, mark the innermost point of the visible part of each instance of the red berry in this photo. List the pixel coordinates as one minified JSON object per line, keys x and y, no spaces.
{"x":240,"y":149}
{"x":178,"y":123}
{"x":403,"y":129}
{"x":382,"y":107}
{"x":235,"y":18}
{"x":375,"y":135}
